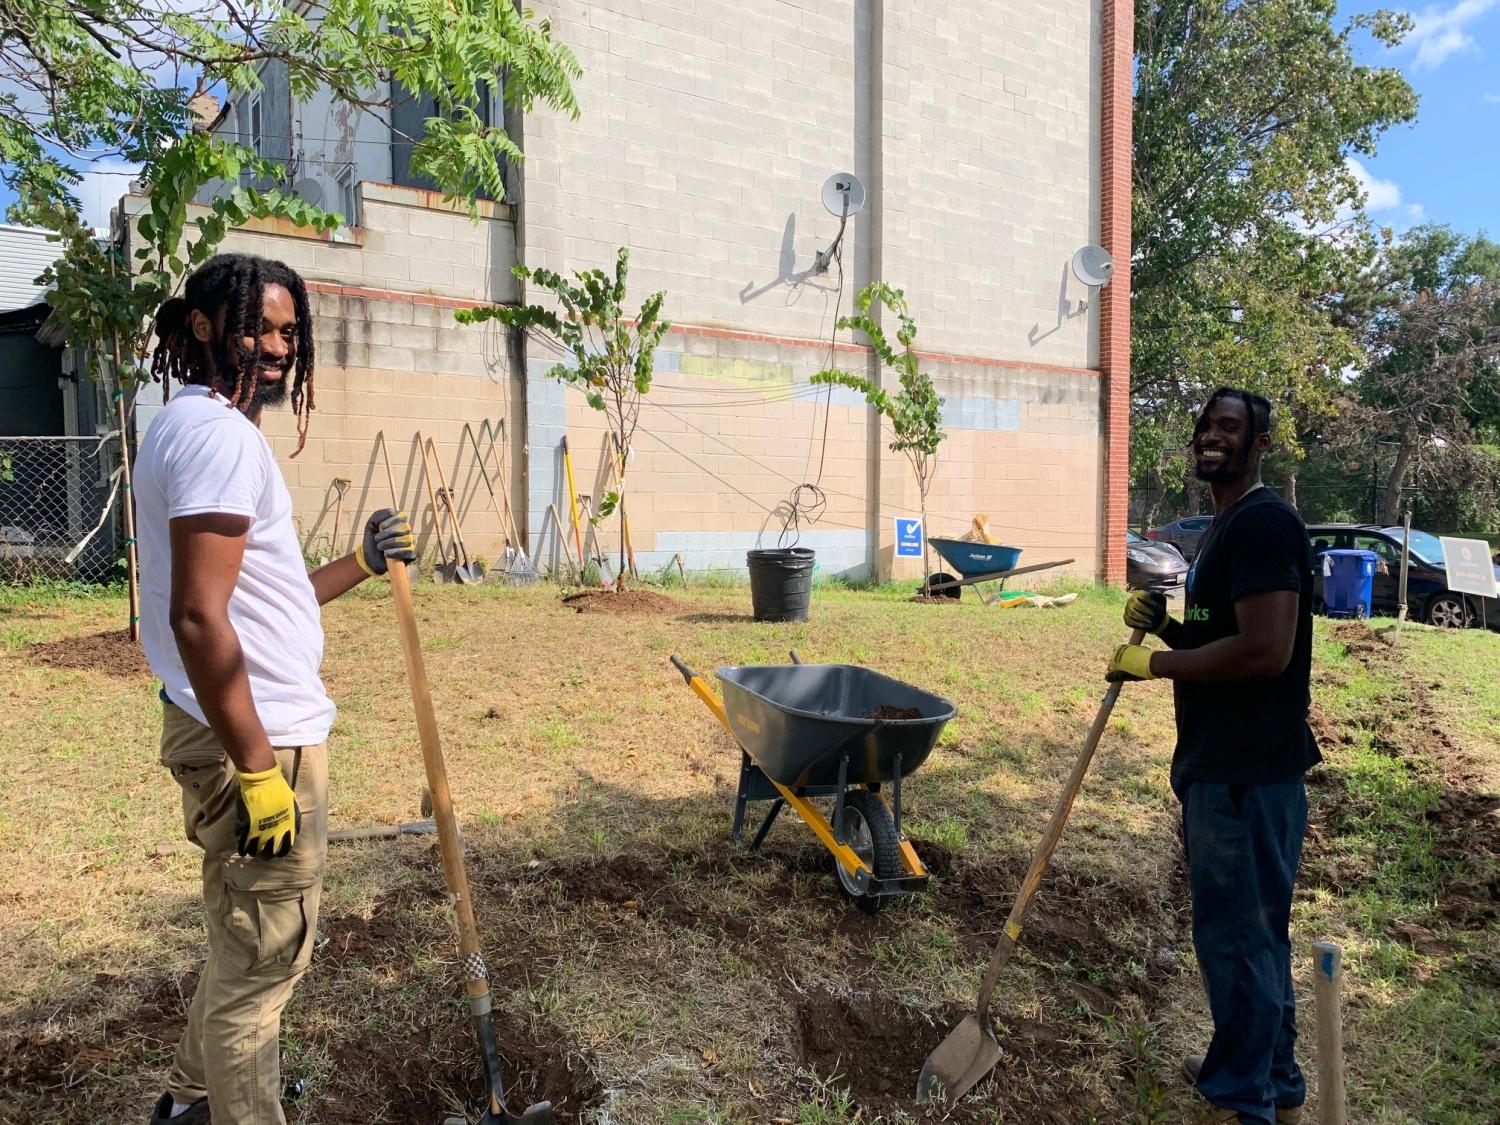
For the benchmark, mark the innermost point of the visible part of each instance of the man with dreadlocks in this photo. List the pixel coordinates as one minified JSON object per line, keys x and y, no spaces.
{"x":1241,"y":665}
{"x":230,"y":624}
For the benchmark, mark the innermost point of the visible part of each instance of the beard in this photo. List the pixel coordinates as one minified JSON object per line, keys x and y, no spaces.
{"x":269,"y":394}
{"x":263,"y":394}
{"x":1236,"y":464}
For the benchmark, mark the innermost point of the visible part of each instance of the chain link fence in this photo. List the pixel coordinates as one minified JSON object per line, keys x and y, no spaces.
{"x":59,"y":502}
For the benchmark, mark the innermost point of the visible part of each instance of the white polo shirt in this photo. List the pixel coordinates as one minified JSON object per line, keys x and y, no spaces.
{"x":201,"y":456}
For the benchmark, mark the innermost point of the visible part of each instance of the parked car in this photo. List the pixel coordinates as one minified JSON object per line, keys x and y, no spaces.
{"x":1153,"y":566}
{"x":1184,"y":534}
{"x":1427,"y":595}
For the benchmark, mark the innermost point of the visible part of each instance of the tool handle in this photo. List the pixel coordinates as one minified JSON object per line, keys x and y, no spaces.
{"x":437,"y":515}
{"x":493,"y":433}
{"x":449,"y":843}
{"x":573,"y":504}
{"x":796,"y":658}
{"x":1043,"y":855}
{"x":681,"y":666}
{"x":1328,"y":981}
{"x":457,"y":528}
{"x":562,"y":537}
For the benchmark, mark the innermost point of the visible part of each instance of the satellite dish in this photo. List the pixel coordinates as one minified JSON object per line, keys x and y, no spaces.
{"x":843,"y":194}
{"x":308,"y":190}
{"x":1092,"y":265}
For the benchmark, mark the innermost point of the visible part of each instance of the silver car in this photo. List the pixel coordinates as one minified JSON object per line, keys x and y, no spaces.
{"x":1184,"y":534}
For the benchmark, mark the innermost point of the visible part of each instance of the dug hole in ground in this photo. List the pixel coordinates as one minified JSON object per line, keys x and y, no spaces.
{"x":644,"y":968}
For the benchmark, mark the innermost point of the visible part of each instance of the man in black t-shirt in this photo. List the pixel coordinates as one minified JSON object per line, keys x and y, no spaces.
{"x":1240,"y":662}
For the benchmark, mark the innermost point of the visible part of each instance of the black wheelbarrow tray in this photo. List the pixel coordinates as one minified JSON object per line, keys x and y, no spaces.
{"x":809,"y":731}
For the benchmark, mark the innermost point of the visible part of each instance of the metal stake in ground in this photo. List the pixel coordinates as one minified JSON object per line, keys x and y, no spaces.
{"x":971,"y":1050}
{"x":471,"y":960}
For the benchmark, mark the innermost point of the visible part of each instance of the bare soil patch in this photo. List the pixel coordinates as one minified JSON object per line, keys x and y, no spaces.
{"x":112,"y":653}
{"x":1406,"y":725}
{"x":626,"y":603}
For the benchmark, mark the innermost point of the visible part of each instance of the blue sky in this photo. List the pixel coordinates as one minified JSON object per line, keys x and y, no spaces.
{"x":1446,"y":167}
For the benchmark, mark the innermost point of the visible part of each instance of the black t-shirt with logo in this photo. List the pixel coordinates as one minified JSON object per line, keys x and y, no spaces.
{"x":1251,"y":731}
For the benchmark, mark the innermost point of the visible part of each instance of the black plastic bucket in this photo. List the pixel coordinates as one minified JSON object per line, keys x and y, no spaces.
{"x":780,"y":583}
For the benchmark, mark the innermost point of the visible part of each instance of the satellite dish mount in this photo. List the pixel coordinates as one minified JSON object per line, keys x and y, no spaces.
{"x":1093,"y":266}
{"x":844,"y":196}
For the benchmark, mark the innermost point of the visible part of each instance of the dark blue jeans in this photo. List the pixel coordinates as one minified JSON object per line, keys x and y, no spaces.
{"x":1243,"y":843}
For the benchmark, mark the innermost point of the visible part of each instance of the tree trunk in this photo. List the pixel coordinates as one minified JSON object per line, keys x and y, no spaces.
{"x":1289,"y":489}
{"x":1194,"y":494}
{"x":1391,"y":510}
{"x":1154,"y":496}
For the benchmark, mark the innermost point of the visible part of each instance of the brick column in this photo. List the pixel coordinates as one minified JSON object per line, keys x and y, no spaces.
{"x":1117,"y":50}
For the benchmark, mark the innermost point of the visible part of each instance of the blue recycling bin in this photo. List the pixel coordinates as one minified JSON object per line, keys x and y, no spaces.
{"x":1349,"y":582}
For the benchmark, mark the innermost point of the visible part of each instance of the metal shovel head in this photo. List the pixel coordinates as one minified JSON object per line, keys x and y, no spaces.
{"x":960,"y":1062}
{"x":539,"y":1114}
{"x":464,"y":575}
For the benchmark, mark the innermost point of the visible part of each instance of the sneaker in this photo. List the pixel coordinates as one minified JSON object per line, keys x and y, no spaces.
{"x":195,"y":1114}
{"x":1192,"y":1066}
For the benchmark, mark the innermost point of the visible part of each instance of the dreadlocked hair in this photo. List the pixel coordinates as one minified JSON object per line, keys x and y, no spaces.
{"x":1257,"y":408}
{"x":233,"y":284}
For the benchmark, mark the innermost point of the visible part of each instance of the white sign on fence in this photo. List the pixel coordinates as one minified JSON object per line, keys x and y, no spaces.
{"x":1470,"y":570}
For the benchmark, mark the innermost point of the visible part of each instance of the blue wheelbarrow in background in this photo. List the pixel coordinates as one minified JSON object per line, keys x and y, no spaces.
{"x":976,"y":563}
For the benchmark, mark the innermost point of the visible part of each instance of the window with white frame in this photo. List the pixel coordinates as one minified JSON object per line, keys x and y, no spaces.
{"x":343,"y":178}
{"x":257,"y":136}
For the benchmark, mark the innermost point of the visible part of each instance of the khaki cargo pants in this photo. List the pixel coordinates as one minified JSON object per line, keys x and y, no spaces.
{"x":261,"y":915}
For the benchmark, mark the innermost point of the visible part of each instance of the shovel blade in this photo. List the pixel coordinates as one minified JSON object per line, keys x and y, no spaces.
{"x":960,"y":1062}
{"x":539,"y":1114}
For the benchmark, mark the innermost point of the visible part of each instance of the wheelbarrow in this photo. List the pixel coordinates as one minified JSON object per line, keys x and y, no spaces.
{"x":816,"y":731}
{"x":976,"y":563}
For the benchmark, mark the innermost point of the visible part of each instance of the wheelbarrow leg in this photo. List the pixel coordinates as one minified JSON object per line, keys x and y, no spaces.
{"x":742,"y":798}
{"x":765,"y":825}
{"x":896,"y":796}
{"x":838,"y":800}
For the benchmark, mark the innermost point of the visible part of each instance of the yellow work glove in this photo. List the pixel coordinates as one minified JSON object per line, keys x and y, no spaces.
{"x":267,"y":817}
{"x":1130,"y":662}
{"x":1147,"y":609}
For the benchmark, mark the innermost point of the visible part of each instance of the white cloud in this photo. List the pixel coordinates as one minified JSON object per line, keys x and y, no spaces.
{"x":1440,"y":33}
{"x":1416,"y":212}
{"x":1380,"y":195}
{"x":103,"y":183}
{"x":1491,"y":99}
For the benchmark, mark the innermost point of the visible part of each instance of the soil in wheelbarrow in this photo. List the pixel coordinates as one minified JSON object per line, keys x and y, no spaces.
{"x":624,"y":603}
{"x":885,"y":713}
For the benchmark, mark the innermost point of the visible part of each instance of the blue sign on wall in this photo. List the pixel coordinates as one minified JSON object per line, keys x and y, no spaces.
{"x":908,"y":538}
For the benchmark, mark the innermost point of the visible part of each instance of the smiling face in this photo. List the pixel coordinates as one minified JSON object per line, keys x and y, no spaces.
{"x":1225,"y":446}
{"x":275,"y":354}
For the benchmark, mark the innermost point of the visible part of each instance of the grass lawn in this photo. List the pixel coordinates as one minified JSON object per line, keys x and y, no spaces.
{"x":648,"y":970}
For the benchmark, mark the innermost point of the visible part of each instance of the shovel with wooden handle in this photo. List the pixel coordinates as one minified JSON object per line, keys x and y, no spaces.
{"x":971,"y":1050}
{"x":471,"y":960}
{"x":447,"y":568}
{"x":467,"y":570}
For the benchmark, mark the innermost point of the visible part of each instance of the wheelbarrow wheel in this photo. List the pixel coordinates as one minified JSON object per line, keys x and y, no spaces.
{"x":867,"y":827}
{"x":947,"y":591}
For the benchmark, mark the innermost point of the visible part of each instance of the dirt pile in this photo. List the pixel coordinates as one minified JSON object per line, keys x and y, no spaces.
{"x":113,"y":653}
{"x":625,"y":603}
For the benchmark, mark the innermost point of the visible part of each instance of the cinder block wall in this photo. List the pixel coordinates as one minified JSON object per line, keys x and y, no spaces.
{"x":707,"y":131}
